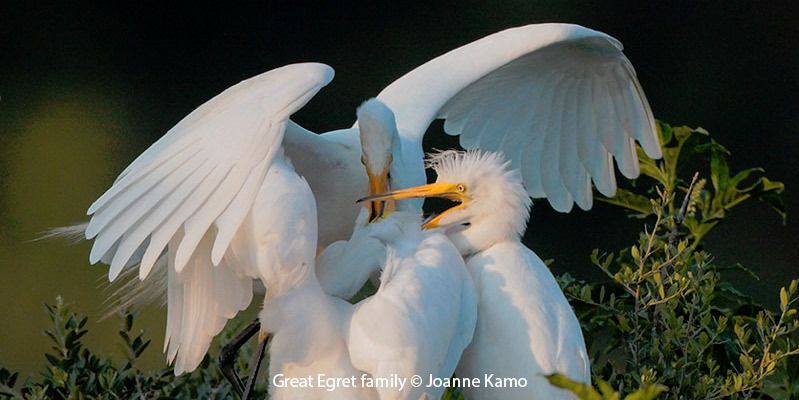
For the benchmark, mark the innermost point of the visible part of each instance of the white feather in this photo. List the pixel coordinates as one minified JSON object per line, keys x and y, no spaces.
{"x":477,"y":89}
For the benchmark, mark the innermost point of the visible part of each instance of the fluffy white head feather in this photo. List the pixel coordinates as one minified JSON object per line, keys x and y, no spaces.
{"x":498,"y":206}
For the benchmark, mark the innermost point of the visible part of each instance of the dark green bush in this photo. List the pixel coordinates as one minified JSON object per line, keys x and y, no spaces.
{"x":665,"y":318}
{"x":74,"y":372}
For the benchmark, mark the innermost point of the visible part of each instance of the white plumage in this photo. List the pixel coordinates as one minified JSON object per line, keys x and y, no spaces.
{"x":422,"y":316}
{"x":525,"y":327}
{"x":561,"y":101}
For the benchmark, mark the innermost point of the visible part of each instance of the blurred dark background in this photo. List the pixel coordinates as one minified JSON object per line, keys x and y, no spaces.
{"x":85,"y":88}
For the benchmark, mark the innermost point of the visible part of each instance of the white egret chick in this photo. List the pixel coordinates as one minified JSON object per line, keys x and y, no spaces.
{"x":525,"y":326}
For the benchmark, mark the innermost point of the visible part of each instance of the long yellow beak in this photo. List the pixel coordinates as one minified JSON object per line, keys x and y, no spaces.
{"x":378,"y":184}
{"x":450,"y":191}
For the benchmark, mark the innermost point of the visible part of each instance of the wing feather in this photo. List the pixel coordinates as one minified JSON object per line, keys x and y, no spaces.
{"x":515,"y":141}
{"x":498,"y":92}
{"x":551,"y":180}
{"x":138,"y":233}
{"x":129,"y":216}
{"x":624,"y":153}
{"x":637,"y":99}
{"x":204,"y":173}
{"x":532,"y":151}
{"x":169,"y":227}
{"x":201,"y":298}
{"x":594,"y":156}
{"x":572,"y":172}
{"x":143,"y":165}
{"x":152,"y":184}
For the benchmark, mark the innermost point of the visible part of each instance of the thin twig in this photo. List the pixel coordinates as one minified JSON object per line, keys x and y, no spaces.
{"x":679,"y":219}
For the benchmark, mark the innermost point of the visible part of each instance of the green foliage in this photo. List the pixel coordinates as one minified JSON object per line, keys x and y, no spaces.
{"x":74,"y":372}
{"x":605,"y":392}
{"x":707,"y":206}
{"x":666,"y":318}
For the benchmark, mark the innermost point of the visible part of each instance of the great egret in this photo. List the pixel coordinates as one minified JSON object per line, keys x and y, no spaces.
{"x":423,"y":331}
{"x":561,"y":100}
{"x":525,"y":327}
{"x":418,"y":323}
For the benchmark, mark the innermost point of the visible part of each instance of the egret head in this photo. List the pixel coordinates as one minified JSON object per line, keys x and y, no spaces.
{"x":379,"y":138}
{"x":492,"y":204}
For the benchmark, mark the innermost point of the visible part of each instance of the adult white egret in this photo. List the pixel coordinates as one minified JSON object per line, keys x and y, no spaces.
{"x":425,"y":309}
{"x":312,"y":332}
{"x":525,"y":327}
{"x":418,"y":322}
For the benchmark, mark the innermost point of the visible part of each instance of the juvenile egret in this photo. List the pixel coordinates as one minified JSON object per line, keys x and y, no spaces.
{"x":525,"y":326}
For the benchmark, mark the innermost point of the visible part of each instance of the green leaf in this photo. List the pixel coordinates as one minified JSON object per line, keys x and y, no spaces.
{"x":635,"y":253}
{"x":648,"y":392}
{"x":783,"y":299}
{"x":629,"y":200}
{"x":583,"y":391}
{"x":719,"y":171}
{"x":606,"y":390}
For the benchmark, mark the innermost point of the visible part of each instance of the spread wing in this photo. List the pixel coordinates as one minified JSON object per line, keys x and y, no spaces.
{"x":561,"y":101}
{"x":202,"y":175}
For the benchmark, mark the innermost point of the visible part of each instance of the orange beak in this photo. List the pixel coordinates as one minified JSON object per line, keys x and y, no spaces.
{"x":450,"y":191}
{"x":379,"y":184}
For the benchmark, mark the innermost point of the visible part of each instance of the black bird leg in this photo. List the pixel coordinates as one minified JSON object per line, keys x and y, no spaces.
{"x":227,"y":356}
{"x":255,"y":365}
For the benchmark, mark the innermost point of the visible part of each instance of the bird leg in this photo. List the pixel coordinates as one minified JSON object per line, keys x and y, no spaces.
{"x":263,"y":340}
{"x":227,"y":356}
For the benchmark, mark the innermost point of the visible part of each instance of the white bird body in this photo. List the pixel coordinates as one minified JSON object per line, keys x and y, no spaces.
{"x":308,"y":326}
{"x":526,"y":328}
{"x":329,"y":162}
{"x":418,"y":323}
{"x":422,"y":316}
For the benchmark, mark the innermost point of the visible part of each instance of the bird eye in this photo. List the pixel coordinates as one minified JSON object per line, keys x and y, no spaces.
{"x":461,"y":188}
{"x":363,"y":160}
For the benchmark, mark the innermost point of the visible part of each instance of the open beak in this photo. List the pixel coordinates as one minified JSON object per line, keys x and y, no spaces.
{"x":449,"y":191}
{"x":378,"y":183}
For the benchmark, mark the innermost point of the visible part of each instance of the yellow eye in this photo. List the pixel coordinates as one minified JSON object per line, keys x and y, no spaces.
{"x":461,"y":188}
